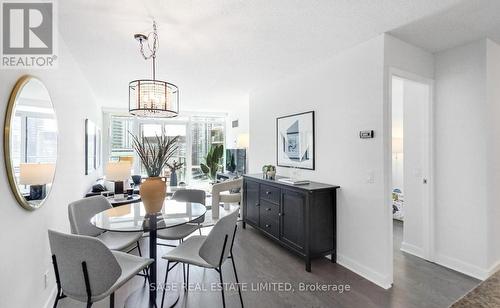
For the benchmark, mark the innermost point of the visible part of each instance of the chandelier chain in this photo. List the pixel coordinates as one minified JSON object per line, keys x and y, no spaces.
{"x":152,"y":49}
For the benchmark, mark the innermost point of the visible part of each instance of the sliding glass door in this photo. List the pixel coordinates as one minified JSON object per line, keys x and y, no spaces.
{"x":197,"y":135}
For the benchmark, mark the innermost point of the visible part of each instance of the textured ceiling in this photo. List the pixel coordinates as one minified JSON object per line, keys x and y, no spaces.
{"x":218,"y":51}
{"x":465,"y":22}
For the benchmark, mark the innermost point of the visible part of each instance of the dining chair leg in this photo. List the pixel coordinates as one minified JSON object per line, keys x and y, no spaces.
{"x":89,"y":304}
{"x":112,"y":300}
{"x":222,"y":288}
{"x":187,"y":280}
{"x":58,"y":282}
{"x":140,"y":255}
{"x":165,"y":284}
{"x":139,"y":249}
{"x":199,"y":228}
{"x":237,"y":281}
{"x":184,"y":274}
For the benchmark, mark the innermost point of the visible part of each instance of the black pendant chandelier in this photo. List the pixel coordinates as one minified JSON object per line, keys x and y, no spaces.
{"x":150,"y":97}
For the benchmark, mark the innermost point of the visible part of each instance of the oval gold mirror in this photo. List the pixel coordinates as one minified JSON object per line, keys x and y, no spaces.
{"x":30,"y":142}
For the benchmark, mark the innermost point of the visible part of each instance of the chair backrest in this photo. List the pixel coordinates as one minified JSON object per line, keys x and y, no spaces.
{"x":70,"y":251}
{"x":190,"y":195}
{"x":211,"y":249}
{"x":80,"y":212}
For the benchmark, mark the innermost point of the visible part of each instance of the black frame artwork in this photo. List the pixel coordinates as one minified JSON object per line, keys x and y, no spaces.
{"x":294,"y":137}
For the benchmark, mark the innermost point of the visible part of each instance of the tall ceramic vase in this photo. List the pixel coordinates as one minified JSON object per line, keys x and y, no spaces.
{"x":153,"y":191}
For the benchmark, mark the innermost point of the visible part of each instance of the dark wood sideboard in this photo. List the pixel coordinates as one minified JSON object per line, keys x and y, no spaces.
{"x":301,"y":218}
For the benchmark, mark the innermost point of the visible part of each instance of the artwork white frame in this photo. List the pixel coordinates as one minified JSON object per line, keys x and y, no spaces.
{"x":295,"y":141}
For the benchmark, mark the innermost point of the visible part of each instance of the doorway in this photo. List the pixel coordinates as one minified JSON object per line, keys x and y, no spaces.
{"x":411,"y":136}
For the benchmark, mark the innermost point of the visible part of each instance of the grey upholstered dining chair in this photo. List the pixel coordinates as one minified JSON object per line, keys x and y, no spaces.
{"x":207,"y":251}
{"x":182,"y":231}
{"x":88,"y":271}
{"x":81,"y":211}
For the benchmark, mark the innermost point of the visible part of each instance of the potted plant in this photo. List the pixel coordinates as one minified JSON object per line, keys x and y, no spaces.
{"x":212,"y":160}
{"x":269,"y":171}
{"x":154,"y":157}
{"x":173,"y":171}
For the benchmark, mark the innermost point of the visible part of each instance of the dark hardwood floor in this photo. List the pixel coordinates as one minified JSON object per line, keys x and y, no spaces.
{"x":417,"y":283}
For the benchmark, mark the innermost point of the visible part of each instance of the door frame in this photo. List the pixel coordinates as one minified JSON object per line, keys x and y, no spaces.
{"x":428,"y":224}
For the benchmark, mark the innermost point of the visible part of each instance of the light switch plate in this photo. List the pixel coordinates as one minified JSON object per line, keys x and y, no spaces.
{"x":366,"y":134}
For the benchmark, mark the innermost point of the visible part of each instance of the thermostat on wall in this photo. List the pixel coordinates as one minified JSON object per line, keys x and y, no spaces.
{"x":366,"y":134}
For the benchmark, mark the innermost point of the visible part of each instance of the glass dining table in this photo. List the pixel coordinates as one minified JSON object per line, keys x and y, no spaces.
{"x":133,"y":218}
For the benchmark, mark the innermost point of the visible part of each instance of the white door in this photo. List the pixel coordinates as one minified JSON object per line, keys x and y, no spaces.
{"x":416,"y":148}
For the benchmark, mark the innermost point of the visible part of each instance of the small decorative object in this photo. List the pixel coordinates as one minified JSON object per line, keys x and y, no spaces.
{"x":212,"y":161}
{"x":154,"y":157}
{"x":137,"y":179}
{"x":295,"y":140}
{"x":269,"y":172}
{"x":173,"y":171}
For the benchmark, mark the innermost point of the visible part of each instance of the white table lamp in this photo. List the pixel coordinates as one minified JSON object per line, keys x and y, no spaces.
{"x":118,"y":172}
{"x":36,"y":176}
{"x":242,"y":141}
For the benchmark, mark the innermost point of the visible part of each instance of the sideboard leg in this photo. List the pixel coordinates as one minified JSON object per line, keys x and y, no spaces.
{"x":244,"y":225}
{"x":308,"y":264}
{"x":333,"y":258}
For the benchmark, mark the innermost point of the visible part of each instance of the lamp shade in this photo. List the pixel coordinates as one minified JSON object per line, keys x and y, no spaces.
{"x":153,"y":98}
{"x":128,"y":159}
{"x":36,"y":174}
{"x":242,"y":141}
{"x":118,"y":171}
{"x":397,"y":145}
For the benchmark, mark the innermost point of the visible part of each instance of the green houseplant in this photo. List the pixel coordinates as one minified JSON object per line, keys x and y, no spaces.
{"x":212,"y":161}
{"x":154,"y":157}
{"x":269,"y":171}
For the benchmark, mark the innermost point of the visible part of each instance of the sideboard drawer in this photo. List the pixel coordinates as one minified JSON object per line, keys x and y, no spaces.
{"x":269,"y":210}
{"x":270,"y":226}
{"x":270,"y":193}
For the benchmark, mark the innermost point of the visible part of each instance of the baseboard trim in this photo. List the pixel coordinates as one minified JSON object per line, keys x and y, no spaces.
{"x":494,"y":268}
{"x":412,"y":249}
{"x":464,"y":267}
{"x":365,"y":272}
{"x":52,"y":297}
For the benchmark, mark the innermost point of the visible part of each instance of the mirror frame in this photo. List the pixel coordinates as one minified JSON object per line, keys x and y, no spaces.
{"x":14,"y":95}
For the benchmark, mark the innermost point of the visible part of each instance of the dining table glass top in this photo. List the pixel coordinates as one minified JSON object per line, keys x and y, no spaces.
{"x":133,"y":217}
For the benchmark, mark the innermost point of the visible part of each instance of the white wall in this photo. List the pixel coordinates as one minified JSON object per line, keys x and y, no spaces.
{"x":493,"y":143}
{"x":461,"y":129}
{"x":347,"y":95}
{"x":25,"y":248}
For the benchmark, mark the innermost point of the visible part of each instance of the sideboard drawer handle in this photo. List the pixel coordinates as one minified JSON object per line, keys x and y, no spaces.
{"x":268,"y":192}
{"x":280,"y":214}
{"x":268,"y":209}
{"x":257,"y":204}
{"x":268,"y":226}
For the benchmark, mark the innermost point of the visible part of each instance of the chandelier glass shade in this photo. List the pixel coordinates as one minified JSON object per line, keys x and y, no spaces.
{"x":153,"y":98}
